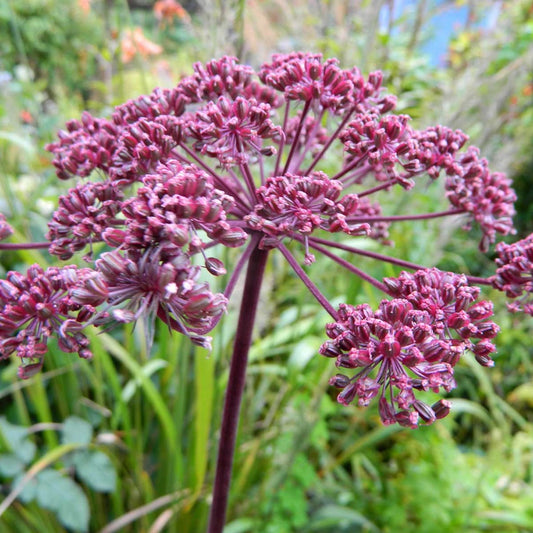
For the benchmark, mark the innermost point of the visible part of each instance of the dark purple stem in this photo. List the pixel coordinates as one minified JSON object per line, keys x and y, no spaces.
{"x":24,"y":246}
{"x":282,"y":140}
{"x":387,"y":259}
{"x":366,"y":253}
{"x":309,"y":142}
{"x":306,"y":108}
{"x":349,"y":167}
{"x":400,"y":218}
{"x":358,"y":272}
{"x":246,"y":174}
{"x":235,"y":388}
{"x":384,"y":185}
{"x":476,"y":280}
{"x":322,"y":300}
{"x":228,"y":291}
{"x":319,"y":156}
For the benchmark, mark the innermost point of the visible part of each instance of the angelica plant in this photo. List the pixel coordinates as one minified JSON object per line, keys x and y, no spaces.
{"x":235,"y":158}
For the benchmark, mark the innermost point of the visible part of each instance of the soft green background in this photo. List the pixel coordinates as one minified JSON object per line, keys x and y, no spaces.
{"x":127,"y":442}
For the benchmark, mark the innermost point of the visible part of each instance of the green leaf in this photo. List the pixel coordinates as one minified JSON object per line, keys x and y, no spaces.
{"x":25,"y":451}
{"x":10,"y":465}
{"x":74,"y":509}
{"x":460,"y":405}
{"x":338,"y":516}
{"x":96,"y":470}
{"x":522,"y":394}
{"x":60,"y":494}
{"x":153,"y":366}
{"x":12,"y":434}
{"x":29,"y":491}
{"x":302,"y":353}
{"x":204,"y":392}
{"x":152,"y":392}
{"x":76,"y":431}
{"x":241,"y":525}
{"x":50,"y":484}
{"x":15,"y":436}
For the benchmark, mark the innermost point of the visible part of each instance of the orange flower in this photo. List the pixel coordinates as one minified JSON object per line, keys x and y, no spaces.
{"x":26,"y":117}
{"x":134,"y":42}
{"x":85,"y":5}
{"x":166,"y":10}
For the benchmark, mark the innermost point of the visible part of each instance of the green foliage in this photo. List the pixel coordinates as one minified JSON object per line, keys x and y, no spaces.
{"x":50,"y":488}
{"x":63,"y":497}
{"x":55,"y":39}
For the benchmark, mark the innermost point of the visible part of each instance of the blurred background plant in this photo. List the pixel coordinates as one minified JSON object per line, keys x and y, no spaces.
{"x":147,"y":424}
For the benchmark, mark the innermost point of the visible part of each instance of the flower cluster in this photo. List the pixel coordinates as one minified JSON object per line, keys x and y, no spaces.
{"x":514,"y":274}
{"x":37,"y":306}
{"x":395,"y":349}
{"x":230,"y":130}
{"x":148,"y":289}
{"x":488,"y":196}
{"x":323,"y":84}
{"x":408,"y":344}
{"x":170,"y":210}
{"x":5,"y":229}
{"x":225,"y":77}
{"x":82,"y":216}
{"x":452,"y":304}
{"x":384,"y":144}
{"x":86,"y":145}
{"x":274,"y":161}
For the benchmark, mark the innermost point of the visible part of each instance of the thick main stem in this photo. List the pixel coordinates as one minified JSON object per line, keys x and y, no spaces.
{"x":235,"y":388}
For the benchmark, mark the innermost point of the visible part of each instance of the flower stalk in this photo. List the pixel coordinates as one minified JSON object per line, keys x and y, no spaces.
{"x":235,"y":388}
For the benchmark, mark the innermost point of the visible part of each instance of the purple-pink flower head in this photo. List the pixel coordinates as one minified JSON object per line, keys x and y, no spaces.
{"x":322,"y":84}
{"x":514,"y":274}
{"x":396,"y":352}
{"x":86,"y":145}
{"x":452,"y":304}
{"x":486,"y":195}
{"x":171,"y":209}
{"x":306,"y":77}
{"x":225,"y":77}
{"x":384,"y":145}
{"x":292,"y":204}
{"x":233,"y":131}
{"x":142,"y":145}
{"x":5,"y":229}
{"x":146,"y":288}
{"x":436,"y":149}
{"x":37,"y":306}
{"x":275,"y":160}
{"x":161,"y":102}
{"x":82,"y":216}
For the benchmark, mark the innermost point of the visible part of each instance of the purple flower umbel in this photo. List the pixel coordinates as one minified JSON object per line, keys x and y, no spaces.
{"x":410,"y":343}
{"x":279,"y":161}
{"x":237,"y":159}
{"x":37,"y":306}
